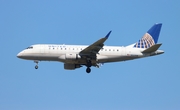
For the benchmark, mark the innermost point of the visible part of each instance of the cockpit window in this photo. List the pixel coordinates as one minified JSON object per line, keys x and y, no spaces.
{"x":30,"y":47}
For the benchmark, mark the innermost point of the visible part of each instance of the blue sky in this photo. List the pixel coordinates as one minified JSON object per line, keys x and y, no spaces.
{"x":143,"y":84}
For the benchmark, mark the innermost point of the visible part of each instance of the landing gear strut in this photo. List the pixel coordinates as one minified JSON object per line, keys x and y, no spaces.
{"x":36,"y":67}
{"x":89,"y":64}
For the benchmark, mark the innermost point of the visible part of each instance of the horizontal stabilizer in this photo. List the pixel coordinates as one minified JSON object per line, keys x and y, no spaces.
{"x":152,"y":48}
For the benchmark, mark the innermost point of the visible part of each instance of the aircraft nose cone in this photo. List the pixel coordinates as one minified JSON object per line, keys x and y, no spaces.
{"x":19,"y":55}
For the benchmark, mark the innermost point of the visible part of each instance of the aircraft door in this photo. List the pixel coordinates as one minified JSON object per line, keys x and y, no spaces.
{"x":46,"y":49}
{"x":123,"y":51}
{"x":42,"y":49}
{"x":127,"y":52}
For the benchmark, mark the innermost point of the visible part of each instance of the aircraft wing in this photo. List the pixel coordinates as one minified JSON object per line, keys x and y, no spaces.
{"x":94,"y":48}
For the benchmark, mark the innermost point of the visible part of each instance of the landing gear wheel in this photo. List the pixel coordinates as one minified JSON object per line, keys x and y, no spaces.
{"x":36,"y":67}
{"x":88,"y":70}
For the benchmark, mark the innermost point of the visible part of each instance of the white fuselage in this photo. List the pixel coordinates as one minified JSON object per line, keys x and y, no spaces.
{"x":70,"y":53}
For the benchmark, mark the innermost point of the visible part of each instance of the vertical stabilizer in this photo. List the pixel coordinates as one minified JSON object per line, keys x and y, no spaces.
{"x":150,"y":38}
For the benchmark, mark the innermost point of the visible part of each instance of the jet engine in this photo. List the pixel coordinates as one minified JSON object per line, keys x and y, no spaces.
{"x":68,"y":66}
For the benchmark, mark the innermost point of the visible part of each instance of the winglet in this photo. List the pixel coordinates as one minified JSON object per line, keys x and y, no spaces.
{"x":108,"y":34}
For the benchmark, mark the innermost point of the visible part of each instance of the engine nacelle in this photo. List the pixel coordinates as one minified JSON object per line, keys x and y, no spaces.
{"x":68,"y":66}
{"x":72,"y":56}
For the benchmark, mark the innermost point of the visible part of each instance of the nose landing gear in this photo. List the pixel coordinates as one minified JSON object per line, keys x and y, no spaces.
{"x":36,"y":67}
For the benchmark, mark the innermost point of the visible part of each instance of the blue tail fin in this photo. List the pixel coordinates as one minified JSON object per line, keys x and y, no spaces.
{"x":150,"y":38}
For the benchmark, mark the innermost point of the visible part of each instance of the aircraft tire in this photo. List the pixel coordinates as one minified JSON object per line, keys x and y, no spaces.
{"x":36,"y":67}
{"x":88,"y":70}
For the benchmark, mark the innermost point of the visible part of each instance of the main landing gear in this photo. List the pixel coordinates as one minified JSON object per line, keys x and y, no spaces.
{"x":89,"y":64}
{"x":36,"y":67}
{"x":88,"y":70}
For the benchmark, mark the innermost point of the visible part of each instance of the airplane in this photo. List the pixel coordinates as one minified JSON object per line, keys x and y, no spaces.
{"x":96,"y":54}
